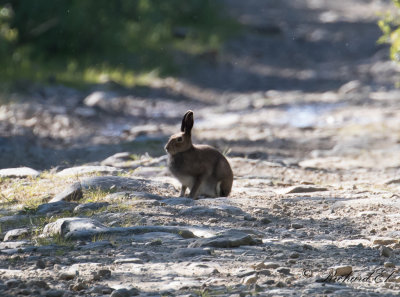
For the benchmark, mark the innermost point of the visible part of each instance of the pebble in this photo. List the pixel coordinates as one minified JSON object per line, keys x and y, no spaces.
{"x":72,"y":193}
{"x":38,"y":284}
{"x":389,"y":265}
{"x":16,"y":234}
{"x":385,"y":251}
{"x":297,"y":226}
{"x":341,"y":270}
{"x":294,"y":255}
{"x":384,"y":241}
{"x":128,"y":261}
{"x":12,"y":283}
{"x":125,"y":293}
{"x":265,"y":221}
{"x":80,"y":286}
{"x":271,"y":265}
{"x":100,"y":290}
{"x":40,"y":264}
{"x":249,"y":280}
{"x":67,"y":276}
{"x":284,"y":270}
{"x":20,"y":172}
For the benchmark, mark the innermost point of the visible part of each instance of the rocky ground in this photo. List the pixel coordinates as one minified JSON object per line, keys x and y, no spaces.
{"x":304,"y":105}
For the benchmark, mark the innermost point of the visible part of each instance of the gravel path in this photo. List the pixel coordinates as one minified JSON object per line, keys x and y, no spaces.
{"x":304,"y":103}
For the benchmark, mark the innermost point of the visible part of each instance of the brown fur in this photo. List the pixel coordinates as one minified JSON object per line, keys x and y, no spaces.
{"x":201,"y":168}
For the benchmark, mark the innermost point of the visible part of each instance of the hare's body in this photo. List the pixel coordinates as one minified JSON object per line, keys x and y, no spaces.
{"x":214,"y":181}
{"x":201,"y":168}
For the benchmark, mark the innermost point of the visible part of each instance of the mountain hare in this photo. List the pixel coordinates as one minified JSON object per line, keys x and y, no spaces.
{"x":201,"y":168}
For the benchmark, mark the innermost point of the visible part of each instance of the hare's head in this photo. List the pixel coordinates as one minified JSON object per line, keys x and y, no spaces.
{"x":181,"y":141}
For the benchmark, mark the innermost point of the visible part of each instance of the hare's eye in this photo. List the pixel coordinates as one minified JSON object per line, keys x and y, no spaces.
{"x":179,"y":139}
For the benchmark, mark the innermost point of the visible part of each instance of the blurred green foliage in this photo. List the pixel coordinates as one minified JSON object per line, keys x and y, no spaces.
{"x":390,"y":26}
{"x":79,"y":40}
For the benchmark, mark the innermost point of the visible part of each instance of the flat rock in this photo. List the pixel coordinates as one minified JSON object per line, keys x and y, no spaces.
{"x":85,"y":228}
{"x":72,"y":193}
{"x":80,"y":170}
{"x":90,"y":206}
{"x":128,"y":261}
{"x":227,"y":239}
{"x":67,"y":226}
{"x":118,"y":183}
{"x":16,"y":234}
{"x":126,"y":161}
{"x":304,"y":189}
{"x":55,"y":207}
{"x":190,"y":252}
{"x":19,"y":172}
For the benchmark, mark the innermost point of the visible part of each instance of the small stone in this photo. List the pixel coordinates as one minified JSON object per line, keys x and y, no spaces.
{"x":265,"y":272}
{"x":72,"y":193}
{"x":55,"y":207}
{"x":341,"y":270}
{"x":125,"y":293}
{"x":104,"y":273}
{"x":20,"y":172}
{"x":294,"y":255}
{"x":249,"y":280}
{"x":39,"y":284}
{"x":92,"y":206}
{"x":40,"y":264}
{"x":280,"y":285}
{"x":259,"y":266}
{"x":270,"y":282}
{"x":385,"y":251}
{"x":128,"y":261}
{"x":154,"y":242}
{"x":265,"y":221}
{"x":384,"y":240}
{"x":67,"y":276}
{"x":305,"y":189}
{"x":190,"y":252}
{"x":12,"y":283}
{"x":389,"y":265}
{"x":24,"y":292}
{"x":271,"y":265}
{"x":297,"y":226}
{"x":276,"y":206}
{"x":249,"y":218}
{"x":100,"y":290}
{"x":16,"y":234}
{"x":80,"y":286}
{"x":283,"y":270}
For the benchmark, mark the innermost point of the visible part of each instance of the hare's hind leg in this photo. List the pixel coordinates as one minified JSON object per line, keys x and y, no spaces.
{"x":225,"y":187}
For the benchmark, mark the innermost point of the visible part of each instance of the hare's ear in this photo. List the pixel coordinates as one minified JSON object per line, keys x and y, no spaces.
{"x":187,"y":122}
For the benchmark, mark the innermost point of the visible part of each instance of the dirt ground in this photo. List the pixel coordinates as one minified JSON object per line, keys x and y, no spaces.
{"x":304,"y":104}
